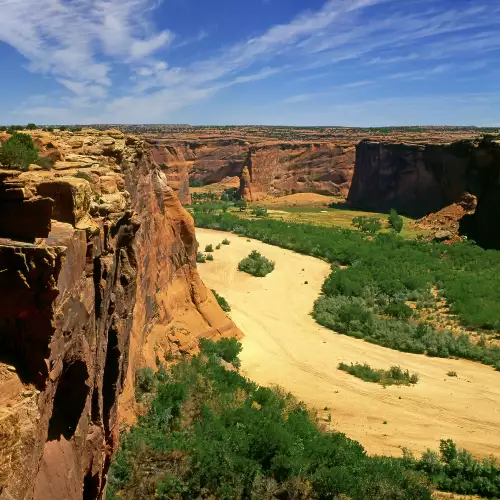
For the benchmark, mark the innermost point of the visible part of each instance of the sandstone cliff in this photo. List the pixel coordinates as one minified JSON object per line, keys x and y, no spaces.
{"x":417,"y":179}
{"x":97,"y":277}
{"x":289,"y":168}
{"x":266,"y":169}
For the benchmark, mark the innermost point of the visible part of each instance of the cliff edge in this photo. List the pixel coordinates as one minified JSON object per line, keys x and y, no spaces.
{"x":98,"y":278}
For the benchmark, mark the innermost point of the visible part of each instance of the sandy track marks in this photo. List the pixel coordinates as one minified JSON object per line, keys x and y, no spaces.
{"x":284,"y":345}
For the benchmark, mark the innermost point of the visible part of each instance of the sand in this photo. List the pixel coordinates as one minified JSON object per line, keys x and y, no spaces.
{"x":283,"y":345}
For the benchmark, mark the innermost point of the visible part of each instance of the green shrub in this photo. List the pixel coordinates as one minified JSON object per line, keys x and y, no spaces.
{"x":209,"y":248}
{"x":18,"y":152}
{"x":452,"y":374}
{"x":225,"y":241}
{"x":222,"y":302}
{"x":210,"y":257}
{"x":394,"y":376}
{"x":196,"y":183}
{"x":241,"y":205}
{"x":369,"y":225}
{"x":200,"y":258}
{"x":145,"y":382}
{"x":218,"y":247}
{"x":256,"y":265}
{"x":226,"y":349}
{"x":211,"y":433}
{"x":230,"y":195}
{"x":260,"y":212}
{"x":396,"y":221}
{"x":31,"y":126}
{"x":398,"y":309}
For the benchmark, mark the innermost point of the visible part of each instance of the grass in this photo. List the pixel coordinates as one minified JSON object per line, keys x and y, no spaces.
{"x":394,"y":376}
{"x":373,"y":277}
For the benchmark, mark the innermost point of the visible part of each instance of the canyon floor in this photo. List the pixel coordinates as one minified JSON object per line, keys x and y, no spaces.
{"x":284,"y":346}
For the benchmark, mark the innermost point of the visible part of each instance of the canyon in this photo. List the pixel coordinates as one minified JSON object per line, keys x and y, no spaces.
{"x":98,"y":277}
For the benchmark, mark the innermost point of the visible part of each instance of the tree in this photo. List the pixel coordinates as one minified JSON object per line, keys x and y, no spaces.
{"x":396,"y":221}
{"x":18,"y":152}
{"x":241,"y":204}
{"x":31,"y":126}
{"x":369,"y":225}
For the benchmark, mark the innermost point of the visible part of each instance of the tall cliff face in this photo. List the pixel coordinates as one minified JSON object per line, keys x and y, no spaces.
{"x":417,"y":179}
{"x":98,"y":277}
{"x":270,"y":169}
{"x":288,"y":168}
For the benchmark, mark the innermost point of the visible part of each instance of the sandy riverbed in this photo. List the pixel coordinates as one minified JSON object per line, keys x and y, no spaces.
{"x":283,"y":345}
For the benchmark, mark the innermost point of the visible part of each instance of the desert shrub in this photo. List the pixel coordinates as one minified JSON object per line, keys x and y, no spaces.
{"x":394,"y":376}
{"x":211,"y":433}
{"x":196,"y":183}
{"x":31,"y":126}
{"x":241,"y":205}
{"x":398,"y":309}
{"x":230,"y":195}
{"x":396,"y":221}
{"x":369,"y":225}
{"x":209,"y":257}
{"x":209,"y":248}
{"x":200,"y":258}
{"x":18,"y":152}
{"x":259,"y":212}
{"x":218,"y":247}
{"x":222,"y":302}
{"x":226,"y":349}
{"x":225,"y":241}
{"x":145,"y":382}
{"x":452,"y":374}
{"x":256,"y":265}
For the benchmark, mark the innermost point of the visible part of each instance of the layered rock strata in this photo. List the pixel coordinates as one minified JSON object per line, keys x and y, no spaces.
{"x":97,"y":278}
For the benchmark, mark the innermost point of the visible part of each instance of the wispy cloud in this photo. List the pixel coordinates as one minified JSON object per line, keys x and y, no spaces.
{"x":356,"y":43}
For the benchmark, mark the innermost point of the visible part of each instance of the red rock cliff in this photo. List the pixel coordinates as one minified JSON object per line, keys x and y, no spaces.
{"x":98,"y":276}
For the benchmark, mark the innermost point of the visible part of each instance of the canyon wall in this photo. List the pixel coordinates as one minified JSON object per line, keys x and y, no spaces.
{"x":98,"y":278}
{"x":289,"y":168}
{"x":418,"y":179}
{"x":269,"y":169}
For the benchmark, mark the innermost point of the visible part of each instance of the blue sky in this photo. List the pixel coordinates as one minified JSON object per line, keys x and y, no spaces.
{"x":282,"y":62}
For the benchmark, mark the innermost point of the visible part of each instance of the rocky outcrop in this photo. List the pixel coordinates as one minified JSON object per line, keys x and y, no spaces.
{"x":272,"y":169}
{"x":97,"y":278}
{"x":417,"y":179}
{"x":289,"y":168}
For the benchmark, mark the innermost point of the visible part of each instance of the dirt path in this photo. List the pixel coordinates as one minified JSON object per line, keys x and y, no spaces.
{"x":283,"y":345}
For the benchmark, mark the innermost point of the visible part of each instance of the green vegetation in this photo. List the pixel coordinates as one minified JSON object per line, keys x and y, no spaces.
{"x":230,"y":195}
{"x":394,"y":376}
{"x":452,"y":374}
{"x":260,"y":212}
{"x":46,"y":163}
{"x":18,"y":152}
{"x":211,"y":433}
{"x":374,"y":276}
{"x":195,"y":183}
{"x":225,"y":241}
{"x":200,"y":258}
{"x":209,"y":257}
{"x":145,"y":382}
{"x":218,"y":247}
{"x":31,"y":126}
{"x":209,"y":248}
{"x":396,"y":221}
{"x":371,"y":225}
{"x":256,"y":265}
{"x":222,"y":302}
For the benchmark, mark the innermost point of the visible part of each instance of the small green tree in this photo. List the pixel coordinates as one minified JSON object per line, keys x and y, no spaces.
{"x":260,"y":212}
{"x":241,"y":204}
{"x":371,"y":225}
{"x":18,"y":152}
{"x":209,"y":248}
{"x":31,"y":126}
{"x":256,"y":265}
{"x":396,"y":221}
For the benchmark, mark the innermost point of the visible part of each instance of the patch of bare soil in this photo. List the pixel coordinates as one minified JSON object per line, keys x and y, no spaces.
{"x":283,"y":345}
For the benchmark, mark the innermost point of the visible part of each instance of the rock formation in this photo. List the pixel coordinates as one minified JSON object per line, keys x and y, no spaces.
{"x":273,"y":168}
{"x":97,"y":278}
{"x":418,"y":179}
{"x":289,"y":168}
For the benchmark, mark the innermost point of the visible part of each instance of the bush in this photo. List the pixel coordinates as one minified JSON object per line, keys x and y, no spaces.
{"x":260,"y":212}
{"x":369,"y":225}
{"x":241,"y":205}
{"x":222,"y":302}
{"x":396,"y":221}
{"x":225,"y":241}
{"x":18,"y":152}
{"x":209,"y":248}
{"x":218,"y":247}
{"x":256,"y":265}
{"x":196,"y":183}
{"x":398,"y":309}
{"x":145,"y":382}
{"x":31,"y":126}
{"x":200,"y":258}
{"x":452,"y":374}
{"x":210,"y":257}
{"x":211,"y":433}
{"x":230,"y":195}
{"x":394,"y":376}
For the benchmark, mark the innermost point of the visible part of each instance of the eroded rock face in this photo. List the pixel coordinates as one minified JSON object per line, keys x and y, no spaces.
{"x":290,"y":168}
{"x":98,"y":278}
{"x":417,"y":179}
